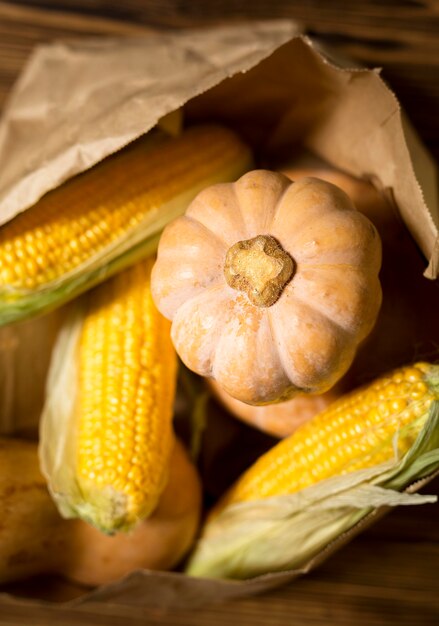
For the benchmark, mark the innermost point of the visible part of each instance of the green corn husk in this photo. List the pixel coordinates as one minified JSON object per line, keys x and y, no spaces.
{"x":138,"y":241}
{"x":286,"y":532}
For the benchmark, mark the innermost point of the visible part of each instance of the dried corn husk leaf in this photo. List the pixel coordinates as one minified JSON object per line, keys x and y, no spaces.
{"x":275,"y":534}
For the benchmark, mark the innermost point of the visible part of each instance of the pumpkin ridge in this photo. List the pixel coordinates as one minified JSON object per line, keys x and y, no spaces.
{"x":208,"y":231}
{"x":247,"y":330}
{"x":258,"y":193}
{"x":348,"y":205}
{"x":282,"y":357}
{"x":278,"y":203}
{"x":349,"y":224}
{"x":281,"y":360}
{"x":205,"y":296}
{"x":204,"y":210}
{"x":195,"y":267}
{"x":214,"y":362}
{"x":347,"y":266}
{"x":241,"y":216}
{"x":326,"y":219}
{"x":342,"y":335}
{"x":328,"y":317}
{"x":326,"y":209}
{"x":371,"y":304}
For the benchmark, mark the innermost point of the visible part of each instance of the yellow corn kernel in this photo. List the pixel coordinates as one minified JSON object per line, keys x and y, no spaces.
{"x":93,"y":213}
{"x":357,"y":431}
{"x":127,"y":367}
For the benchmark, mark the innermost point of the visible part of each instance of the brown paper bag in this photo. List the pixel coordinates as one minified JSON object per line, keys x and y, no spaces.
{"x":77,"y":102}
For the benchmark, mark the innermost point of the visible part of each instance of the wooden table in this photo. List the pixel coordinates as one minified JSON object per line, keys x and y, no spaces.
{"x":388,"y":575}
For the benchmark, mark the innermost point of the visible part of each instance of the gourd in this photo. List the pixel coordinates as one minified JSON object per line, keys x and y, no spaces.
{"x":35,"y":539}
{"x":280,"y":419}
{"x":406,"y":328}
{"x":270,"y":285}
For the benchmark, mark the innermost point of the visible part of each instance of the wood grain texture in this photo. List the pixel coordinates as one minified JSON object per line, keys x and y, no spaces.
{"x":388,"y":575}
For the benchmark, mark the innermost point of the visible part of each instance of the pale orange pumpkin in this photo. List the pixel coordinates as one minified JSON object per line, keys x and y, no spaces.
{"x":271,"y":285}
{"x":280,"y":419}
{"x":35,"y":539}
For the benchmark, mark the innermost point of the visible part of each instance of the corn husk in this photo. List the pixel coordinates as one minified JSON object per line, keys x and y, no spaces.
{"x":280,"y":533}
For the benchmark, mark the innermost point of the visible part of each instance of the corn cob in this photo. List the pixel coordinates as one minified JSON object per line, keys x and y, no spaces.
{"x":95,"y":223}
{"x":362,"y":429}
{"x":106,"y":455}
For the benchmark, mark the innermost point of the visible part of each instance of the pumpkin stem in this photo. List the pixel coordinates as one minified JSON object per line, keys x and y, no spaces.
{"x":260,"y":267}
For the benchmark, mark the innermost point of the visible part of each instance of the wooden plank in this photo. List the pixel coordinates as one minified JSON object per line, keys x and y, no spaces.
{"x":401,"y":17}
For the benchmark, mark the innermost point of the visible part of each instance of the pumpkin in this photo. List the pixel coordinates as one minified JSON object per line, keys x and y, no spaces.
{"x":280,"y":419}
{"x":406,"y":328}
{"x":35,"y":539}
{"x":270,"y":285}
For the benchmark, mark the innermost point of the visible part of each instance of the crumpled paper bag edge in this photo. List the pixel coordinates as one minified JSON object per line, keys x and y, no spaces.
{"x":107,"y":145}
{"x":55,"y":173}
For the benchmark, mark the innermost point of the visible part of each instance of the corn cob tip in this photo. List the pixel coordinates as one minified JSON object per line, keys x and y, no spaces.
{"x":110,"y":510}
